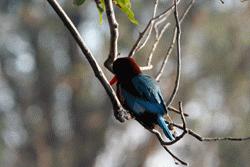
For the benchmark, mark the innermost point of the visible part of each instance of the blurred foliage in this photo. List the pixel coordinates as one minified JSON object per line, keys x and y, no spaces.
{"x":53,"y":112}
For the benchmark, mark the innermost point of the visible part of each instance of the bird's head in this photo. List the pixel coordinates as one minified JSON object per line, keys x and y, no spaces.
{"x":124,"y":69}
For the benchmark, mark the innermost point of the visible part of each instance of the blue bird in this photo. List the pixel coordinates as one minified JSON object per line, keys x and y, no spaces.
{"x":140,"y":95}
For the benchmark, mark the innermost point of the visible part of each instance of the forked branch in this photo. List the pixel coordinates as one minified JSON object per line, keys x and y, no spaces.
{"x":178,"y":52}
{"x":156,"y":42}
{"x":119,"y":111}
{"x":139,"y":44}
{"x":171,"y":46}
{"x":186,"y":130}
{"x":211,"y":139}
{"x":114,"y":34}
{"x":148,"y":29}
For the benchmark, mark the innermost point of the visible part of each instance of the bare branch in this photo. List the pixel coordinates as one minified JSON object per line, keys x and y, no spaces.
{"x":114,"y":34}
{"x":170,"y":49}
{"x":157,"y":25}
{"x":209,"y":139}
{"x":156,"y":42}
{"x":183,"y":117}
{"x":175,"y":157}
{"x":178,"y":48}
{"x":138,"y":46}
{"x":192,"y":133}
{"x":119,"y":112}
{"x":164,"y":145}
{"x":225,"y":138}
{"x":176,"y":111}
{"x":164,"y":63}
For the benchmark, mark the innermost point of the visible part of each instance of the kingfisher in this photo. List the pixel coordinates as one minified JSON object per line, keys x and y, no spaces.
{"x":140,"y":95}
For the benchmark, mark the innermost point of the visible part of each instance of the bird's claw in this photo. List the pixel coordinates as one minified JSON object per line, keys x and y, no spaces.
{"x":171,"y":126}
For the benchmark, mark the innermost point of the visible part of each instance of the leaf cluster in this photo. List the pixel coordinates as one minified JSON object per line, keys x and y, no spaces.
{"x":124,"y":5}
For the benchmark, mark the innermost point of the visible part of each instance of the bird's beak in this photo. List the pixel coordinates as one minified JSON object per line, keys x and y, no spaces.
{"x":113,"y":80}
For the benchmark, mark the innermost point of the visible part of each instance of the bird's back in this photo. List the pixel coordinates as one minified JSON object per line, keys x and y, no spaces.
{"x":142,"y":97}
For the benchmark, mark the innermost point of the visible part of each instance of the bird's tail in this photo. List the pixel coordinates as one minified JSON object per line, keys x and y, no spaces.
{"x":164,"y":126}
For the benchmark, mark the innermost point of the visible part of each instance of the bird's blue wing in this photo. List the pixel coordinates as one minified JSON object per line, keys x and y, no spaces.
{"x":147,"y":88}
{"x":139,"y":105}
{"x":150,"y":99}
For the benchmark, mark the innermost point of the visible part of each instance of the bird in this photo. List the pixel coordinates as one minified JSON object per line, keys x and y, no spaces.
{"x":140,"y":95}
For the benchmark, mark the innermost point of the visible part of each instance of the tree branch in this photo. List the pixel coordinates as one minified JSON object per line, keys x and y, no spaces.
{"x":175,"y":157}
{"x":119,"y":111}
{"x":114,"y":34}
{"x":190,"y":132}
{"x":170,"y":108}
{"x":178,"y":48}
{"x":138,"y":46}
{"x":170,"y":49}
{"x":164,"y":63}
{"x":210,"y":139}
{"x":156,"y":42}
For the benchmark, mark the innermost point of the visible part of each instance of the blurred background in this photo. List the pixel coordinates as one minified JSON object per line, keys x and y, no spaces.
{"x":54,"y":112}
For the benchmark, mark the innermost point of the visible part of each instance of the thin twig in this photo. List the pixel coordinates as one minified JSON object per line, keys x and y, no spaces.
{"x":119,"y":111}
{"x":164,"y":63}
{"x":209,"y":139}
{"x":183,"y":117}
{"x":175,"y":157}
{"x":114,"y":34}
{"x":159,"y":22}
{"x":171,"y":46}
{"x":176,"y":111}
{"x":156,"y":42}
{"x":137,"y":46}
{"x":178,"y":50}
{"x":151,"y":27}
{"x":149,"y":65}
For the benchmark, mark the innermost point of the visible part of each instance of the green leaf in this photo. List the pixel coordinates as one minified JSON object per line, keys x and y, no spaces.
{"x":78,"y":2}
{"x":101,"y":9}
{"x":125,"y":6}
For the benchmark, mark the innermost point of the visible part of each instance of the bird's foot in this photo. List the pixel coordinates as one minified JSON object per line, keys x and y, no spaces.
{"x":170,"y":126}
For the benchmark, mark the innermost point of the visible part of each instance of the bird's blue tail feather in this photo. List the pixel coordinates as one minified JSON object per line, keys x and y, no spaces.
{"x":164,"y":126}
